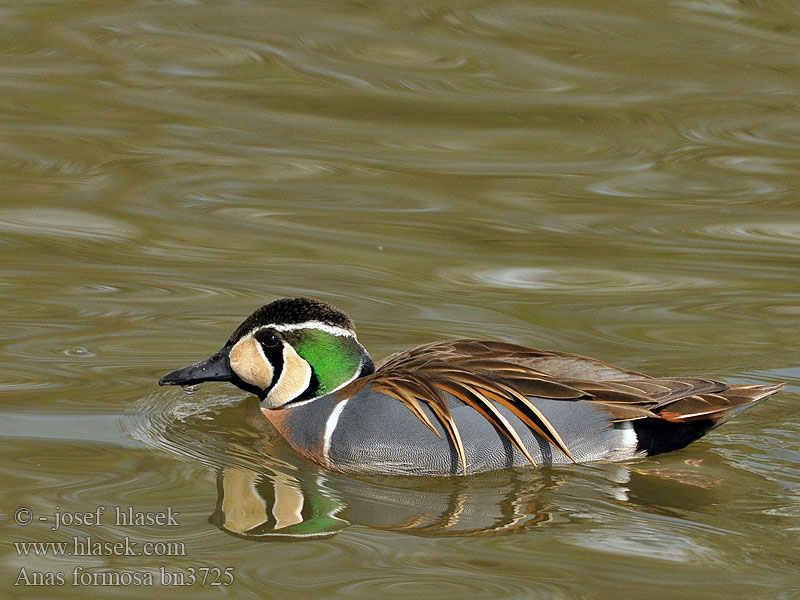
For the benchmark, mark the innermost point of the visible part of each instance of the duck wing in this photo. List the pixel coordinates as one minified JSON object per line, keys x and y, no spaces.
{"x":481,"y":373}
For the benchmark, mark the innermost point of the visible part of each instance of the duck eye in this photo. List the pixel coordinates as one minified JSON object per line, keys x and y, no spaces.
{"x":269,"y":340}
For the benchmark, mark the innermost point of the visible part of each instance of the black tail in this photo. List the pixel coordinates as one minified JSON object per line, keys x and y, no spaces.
{"x":657,"y":435}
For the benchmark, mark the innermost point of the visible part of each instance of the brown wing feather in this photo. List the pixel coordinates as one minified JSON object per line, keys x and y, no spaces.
{"x":481,"y":373}
{"x":472,"y":397}
{"x":409,"y":389}
{"x":716,"y":406}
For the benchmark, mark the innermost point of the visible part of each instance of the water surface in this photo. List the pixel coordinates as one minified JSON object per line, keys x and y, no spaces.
{"x":616,"y":180}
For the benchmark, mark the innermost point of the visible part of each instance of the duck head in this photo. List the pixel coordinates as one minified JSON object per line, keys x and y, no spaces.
{"x":290,"y":350}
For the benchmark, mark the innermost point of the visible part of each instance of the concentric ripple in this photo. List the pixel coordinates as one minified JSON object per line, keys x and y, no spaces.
{"x":191,"y":431}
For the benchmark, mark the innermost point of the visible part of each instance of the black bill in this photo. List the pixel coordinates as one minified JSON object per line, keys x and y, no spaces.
{"x":214,"y":368}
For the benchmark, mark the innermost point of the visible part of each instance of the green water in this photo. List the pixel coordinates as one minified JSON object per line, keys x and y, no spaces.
{"x":618,"y":180}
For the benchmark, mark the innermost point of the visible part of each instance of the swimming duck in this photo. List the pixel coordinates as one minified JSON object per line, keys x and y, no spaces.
{"x":453,"y":407}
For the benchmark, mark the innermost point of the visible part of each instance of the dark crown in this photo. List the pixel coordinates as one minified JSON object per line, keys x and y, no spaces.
{"x":287,"y":311}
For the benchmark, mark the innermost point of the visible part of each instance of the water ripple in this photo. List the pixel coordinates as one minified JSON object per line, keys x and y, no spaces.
{"x":756,"y":232}
{"x":575,"y":280}
{"x":187,"y":430}
{"x":52,"y":223}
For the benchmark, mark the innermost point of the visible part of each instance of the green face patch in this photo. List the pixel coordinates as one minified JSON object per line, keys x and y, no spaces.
{"x":333,"y":358}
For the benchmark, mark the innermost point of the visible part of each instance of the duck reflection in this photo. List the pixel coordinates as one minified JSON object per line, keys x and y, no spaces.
{"x":267,"y":504}
{"x":264,"y":503}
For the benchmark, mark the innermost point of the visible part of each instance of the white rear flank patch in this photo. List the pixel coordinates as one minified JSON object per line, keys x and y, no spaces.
{"x":330,"y":426}
{"x":294,"y":379}
{"x":626,"y":442}
{"x":630,"y":438}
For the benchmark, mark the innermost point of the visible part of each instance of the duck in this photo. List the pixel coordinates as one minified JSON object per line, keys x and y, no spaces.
{"x":453,"y":407}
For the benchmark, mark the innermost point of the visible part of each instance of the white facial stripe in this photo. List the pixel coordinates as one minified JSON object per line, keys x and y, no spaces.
{"x":294,"y":379}
{"x":332,"y":329}
{"x":248,"y":361}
